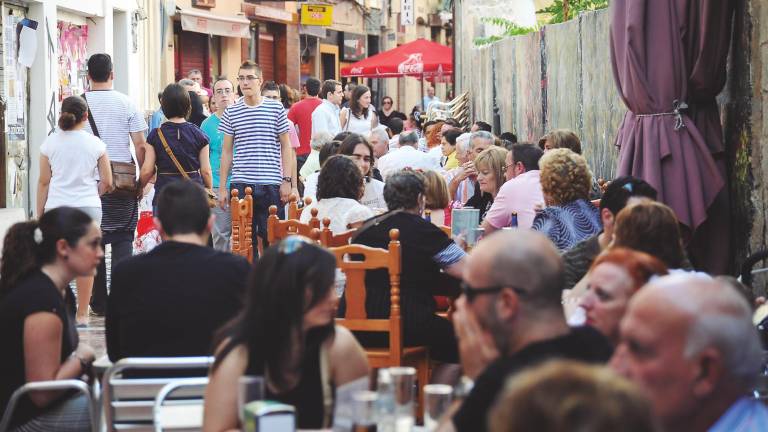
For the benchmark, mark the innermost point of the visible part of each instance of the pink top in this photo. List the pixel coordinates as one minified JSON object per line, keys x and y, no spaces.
{"x":519,"y":195}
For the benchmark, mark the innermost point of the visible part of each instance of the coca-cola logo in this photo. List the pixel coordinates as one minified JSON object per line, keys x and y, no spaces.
{"x":356,"y":70}
{"x":412,"y":65}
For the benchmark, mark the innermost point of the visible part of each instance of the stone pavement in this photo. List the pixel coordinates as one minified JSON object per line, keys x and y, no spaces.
{"x":93,"y":335}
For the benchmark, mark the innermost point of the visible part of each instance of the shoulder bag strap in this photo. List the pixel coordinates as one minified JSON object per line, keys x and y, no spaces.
{"x":170,"y":153}
{"x":346,"y":112}
{"x":94,"y":129}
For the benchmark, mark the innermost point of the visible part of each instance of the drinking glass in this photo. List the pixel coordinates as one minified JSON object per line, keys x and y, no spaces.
{"x":403,"y":382}
{"x":365,"y":404}
{"x":437,"y":400}
{"x":249,"y":388}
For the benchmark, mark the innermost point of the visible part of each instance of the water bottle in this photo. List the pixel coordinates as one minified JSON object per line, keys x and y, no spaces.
{"x":428,"y":215}
{"x":513,"y":223}
{"x":385,"y":402}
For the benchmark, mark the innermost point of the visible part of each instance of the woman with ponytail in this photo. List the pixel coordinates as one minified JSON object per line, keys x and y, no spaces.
{"x":74,"y":172}
{"x":40,"y":341}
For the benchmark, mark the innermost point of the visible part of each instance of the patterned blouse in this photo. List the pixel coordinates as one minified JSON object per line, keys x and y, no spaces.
{"x":568,"y":224}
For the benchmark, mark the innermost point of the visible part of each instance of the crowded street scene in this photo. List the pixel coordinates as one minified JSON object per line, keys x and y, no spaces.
{"x":384,"y":215}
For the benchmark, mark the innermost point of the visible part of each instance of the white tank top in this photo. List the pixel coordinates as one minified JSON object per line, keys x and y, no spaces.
{"x":361,"y":125}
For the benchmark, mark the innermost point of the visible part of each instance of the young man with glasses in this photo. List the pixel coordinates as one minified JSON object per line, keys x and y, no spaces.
{"x":223,"y":96}
{"x":256,"y":129}
{"x":510,"y":317}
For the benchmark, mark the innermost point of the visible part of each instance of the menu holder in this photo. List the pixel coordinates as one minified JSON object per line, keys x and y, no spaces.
{"x":464,"y":223}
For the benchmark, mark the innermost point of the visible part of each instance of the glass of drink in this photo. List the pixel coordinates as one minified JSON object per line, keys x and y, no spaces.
{"x":403,"y":382}
{"x":365,"y":404}
{"x":437,"y":400}
{"x":249,"y":388}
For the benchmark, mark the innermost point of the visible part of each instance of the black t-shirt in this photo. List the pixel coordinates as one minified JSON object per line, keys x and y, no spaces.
{"x":421,"y":277}
{"x":384,"y":119}
{"x":35,"y":293}
{"x":170,"y":301}
{"x":583,"y":343}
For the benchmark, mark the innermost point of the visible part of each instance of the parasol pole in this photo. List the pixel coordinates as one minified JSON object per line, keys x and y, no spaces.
{"x":422,"y":93}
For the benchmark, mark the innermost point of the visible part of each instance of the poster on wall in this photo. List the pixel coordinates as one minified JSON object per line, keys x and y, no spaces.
{"x":73,"y":40}
{"x":354,"y":47}
{"x":15,"y":82}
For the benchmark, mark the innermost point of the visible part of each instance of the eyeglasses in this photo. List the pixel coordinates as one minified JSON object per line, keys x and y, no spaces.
{"x":224,"y":91}
{"x":248,"y":78}
{"x":293,"y":243}
{"x":471,"y":292}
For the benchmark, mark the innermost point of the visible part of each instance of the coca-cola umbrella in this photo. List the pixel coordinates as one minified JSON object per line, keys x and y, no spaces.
{"x":420,"y":58}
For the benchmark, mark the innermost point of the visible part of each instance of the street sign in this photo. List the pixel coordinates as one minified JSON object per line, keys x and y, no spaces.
{"x":316,"y":15}
{"x":406,"y":12}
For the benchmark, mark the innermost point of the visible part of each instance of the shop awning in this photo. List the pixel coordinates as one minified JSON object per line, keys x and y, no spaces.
{"x":420,"y":58}
{"x":209,"y":23}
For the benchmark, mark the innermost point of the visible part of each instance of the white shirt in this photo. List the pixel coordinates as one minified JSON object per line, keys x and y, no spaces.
{"x":325,"y":118}
{"x":73,"y":156}
{"x":341,"y":212}
{"x":356,"y":125}
{"x":310,"y":186}
{"x":405,"y":157}
{"x":373,"y":197}
{"x":394,"y":142}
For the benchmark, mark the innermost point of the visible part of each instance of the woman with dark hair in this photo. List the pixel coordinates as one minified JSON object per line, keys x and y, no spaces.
{"x":360,"y":117}
{"x":37,"y":313}
{"x":176,"y":139}
{"x":361,"y":151}
{"x":388,"y":111}
{"x":310,"y":185}
{"x":431,"y":265}
{"x":651,"y":227}
{"x":196,"y":113}
{"x":68,"y":159}
{"x":339,"y":189}
{"x":286,"y":334}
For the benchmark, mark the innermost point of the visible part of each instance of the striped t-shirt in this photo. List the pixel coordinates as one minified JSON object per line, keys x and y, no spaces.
{"x":256,"y":131}
{"x":116,"y":118}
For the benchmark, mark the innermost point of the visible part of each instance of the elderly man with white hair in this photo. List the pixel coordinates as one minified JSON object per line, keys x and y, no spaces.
{"x":379,"y":139}
{"x":406,"y":156}
{"x":461,"y":180}
{"x":688,"y":341}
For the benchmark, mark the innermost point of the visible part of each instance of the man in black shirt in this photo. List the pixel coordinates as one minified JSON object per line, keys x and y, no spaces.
{"x":511,"y":317}
{"x":170,"y":301}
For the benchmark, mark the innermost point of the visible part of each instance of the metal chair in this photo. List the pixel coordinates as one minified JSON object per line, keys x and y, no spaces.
{"x":190,"y":409}
{"x":129,"y":402}
{"x":71,"y":384}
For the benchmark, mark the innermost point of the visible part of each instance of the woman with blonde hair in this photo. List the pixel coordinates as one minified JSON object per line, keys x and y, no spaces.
{"x":436,"y":198}
{"x":560,"y":138}
{"x":490,"y":166}
{"x":569,"y":216}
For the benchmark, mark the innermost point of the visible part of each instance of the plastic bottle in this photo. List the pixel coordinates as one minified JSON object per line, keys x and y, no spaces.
{"x":513,"y":224}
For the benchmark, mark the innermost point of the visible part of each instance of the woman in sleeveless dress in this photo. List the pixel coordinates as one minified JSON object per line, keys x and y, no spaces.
{"x":360,"y":117}
{"x":286,"y":334}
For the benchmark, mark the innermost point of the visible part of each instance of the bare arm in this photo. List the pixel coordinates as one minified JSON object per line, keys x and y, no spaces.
{"x":105,"y":174}
{"x":220,"y":409}
{"x":289,"y":165}
{"x":205,"y":167}
{"x":225,"y":164}
{"x":148,"y":167}
{"x":42,"y":351}
{"x":348,"y":360}
{"x":43,"y":184}
{"x":141,"y":144}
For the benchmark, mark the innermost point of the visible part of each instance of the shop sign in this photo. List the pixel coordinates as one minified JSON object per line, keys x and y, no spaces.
{"x":316,"y":15}
{"x":406,"y":12}
{"x":353,"y":48}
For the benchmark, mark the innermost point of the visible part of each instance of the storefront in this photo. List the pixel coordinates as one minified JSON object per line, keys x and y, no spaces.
{"x":274,"y":42}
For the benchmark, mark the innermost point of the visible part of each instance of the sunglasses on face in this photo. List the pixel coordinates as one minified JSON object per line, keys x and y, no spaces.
{"x":471,"y":292}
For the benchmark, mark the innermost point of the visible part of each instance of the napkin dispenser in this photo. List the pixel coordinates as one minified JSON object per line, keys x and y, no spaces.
{"x":269,"y":416}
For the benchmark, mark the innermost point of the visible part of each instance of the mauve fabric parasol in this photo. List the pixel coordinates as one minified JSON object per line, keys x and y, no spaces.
{"x":669,"y":62}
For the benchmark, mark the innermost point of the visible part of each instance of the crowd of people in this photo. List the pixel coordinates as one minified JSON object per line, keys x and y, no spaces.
{"x":577,"y":309}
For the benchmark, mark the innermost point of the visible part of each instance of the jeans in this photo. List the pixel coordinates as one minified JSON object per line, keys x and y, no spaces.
{"x":263,"y":197}
{"x":122,"y":248}
{"x":222,"y":229}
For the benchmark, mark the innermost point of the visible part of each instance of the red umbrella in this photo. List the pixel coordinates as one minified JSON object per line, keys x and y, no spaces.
{"x":420,"y":58}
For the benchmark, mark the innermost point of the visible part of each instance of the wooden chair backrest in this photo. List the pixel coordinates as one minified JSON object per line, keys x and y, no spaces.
{"x":279,"y":229}
{"x":328,"y":239}
{"x":368,"y":258}
{"x":294,"y":212}
{"x":242,"y":224}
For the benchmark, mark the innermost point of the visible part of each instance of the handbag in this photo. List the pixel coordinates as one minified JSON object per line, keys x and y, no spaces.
{"x":124,"y":182}
{"x":212,"y":200}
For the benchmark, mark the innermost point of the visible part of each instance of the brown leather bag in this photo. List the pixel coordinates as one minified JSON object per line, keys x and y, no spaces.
{"x":124,"y":181}
{"x":212,"y":199}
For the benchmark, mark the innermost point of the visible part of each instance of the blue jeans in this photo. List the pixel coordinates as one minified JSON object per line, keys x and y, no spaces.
{"x":263,"y":197}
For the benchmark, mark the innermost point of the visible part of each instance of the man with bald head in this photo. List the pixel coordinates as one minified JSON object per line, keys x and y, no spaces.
{"x":510,"y":317}
{"x":689,"y":343}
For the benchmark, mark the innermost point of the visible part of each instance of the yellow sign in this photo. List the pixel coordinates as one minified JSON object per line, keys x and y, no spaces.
{"x":316,"y":15}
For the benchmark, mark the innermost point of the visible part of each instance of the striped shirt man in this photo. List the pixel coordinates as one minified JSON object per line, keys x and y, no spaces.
{"x":256,"y":132}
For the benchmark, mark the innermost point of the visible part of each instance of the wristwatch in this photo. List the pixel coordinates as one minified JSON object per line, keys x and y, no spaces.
{"x":287,"y":179}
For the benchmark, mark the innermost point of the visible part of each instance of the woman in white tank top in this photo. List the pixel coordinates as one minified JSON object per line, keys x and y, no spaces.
{"x":360,"y":117}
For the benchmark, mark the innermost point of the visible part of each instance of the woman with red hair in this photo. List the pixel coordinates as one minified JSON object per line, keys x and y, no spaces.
{"x":612,"y":280}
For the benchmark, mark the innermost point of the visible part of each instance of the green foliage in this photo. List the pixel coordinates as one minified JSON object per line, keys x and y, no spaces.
{"x":556,"y":11}
{"x":510,"y":29}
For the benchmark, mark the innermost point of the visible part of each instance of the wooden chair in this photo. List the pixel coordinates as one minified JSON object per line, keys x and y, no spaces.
{"x":294,"y":212}
{"x":242,"y":224}
{"x":356,"y":318}
{"x":328,"y":239}
{"x":279,"y":229}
